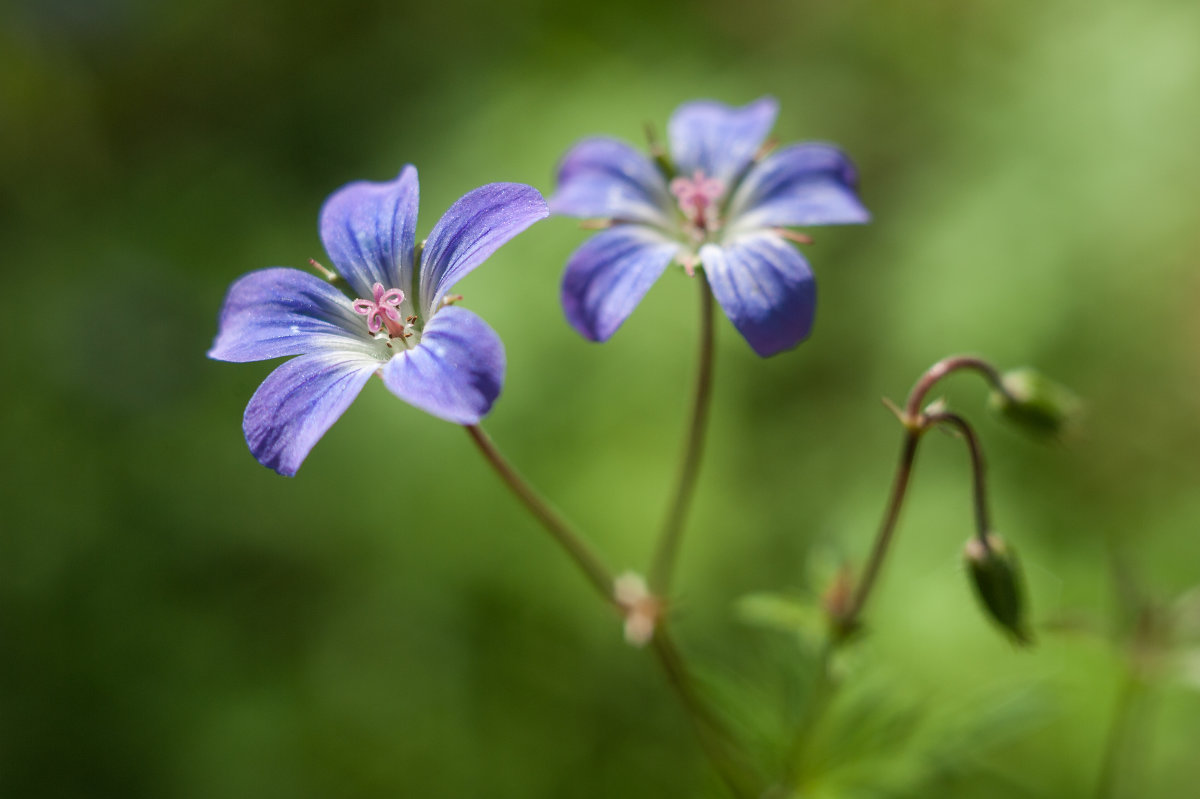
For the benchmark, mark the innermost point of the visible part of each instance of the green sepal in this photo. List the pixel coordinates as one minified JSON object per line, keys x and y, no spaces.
{"x":996,"y":576}
{"x":1036,"y":404}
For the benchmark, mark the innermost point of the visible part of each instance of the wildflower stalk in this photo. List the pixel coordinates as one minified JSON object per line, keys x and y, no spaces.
{"x":945,"y":367}
{"x":847,"y":622}
{"x":672,"y":530}
{"x":715,"y":737}
{"x":916,"y":423}
{"x":844,"y":621}
{"x":983,"y":522}
{"x":917,"y":419}
{"x":567,"y":537}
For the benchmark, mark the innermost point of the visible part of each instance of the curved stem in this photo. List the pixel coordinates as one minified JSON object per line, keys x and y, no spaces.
{"x":845,"y":620}
{"x":915,"y":424}
{"x":916,"y":398}
{"x":983,"y":522}
{"x":571,"y":541}
{"x":672,"y":530}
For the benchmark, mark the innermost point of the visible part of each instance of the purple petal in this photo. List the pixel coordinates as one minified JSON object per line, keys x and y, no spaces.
{"x":369,"y":230}
{"x":276,"y":312}
{"x":608,"y":276}
{"x":718,"y":139}
{"x":298,"y":402}
{"x":804,"y":184}
{"x":766,"y":289}
{"x":608,"y":178}
{"x":474,"y":228}
{"x":455,"y":373}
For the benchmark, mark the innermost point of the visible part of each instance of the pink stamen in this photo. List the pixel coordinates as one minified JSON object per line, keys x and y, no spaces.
{"x":792,"y":235}
{"x":698,"y":197}
{"x":383,"y":310}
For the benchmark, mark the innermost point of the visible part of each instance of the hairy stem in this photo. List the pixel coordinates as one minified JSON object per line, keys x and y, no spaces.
{"x":672,"y":530}
{"x":567,"y":537}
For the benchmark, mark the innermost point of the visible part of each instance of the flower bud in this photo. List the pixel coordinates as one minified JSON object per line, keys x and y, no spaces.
{"x":1033,"y":402}
{"x":996,"y":575}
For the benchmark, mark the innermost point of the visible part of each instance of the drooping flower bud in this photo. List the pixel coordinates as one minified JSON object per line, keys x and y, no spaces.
{"x":1036,"y":404}
{"x":996,"y":575}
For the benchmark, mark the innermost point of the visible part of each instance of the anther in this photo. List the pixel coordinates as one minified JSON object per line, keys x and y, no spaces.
{"x":328,"y":274}
{"x":766,"y":149}
{"x":791,"y":235}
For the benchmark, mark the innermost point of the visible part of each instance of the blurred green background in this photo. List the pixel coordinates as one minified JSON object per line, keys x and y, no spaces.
{"x":177,"y":621}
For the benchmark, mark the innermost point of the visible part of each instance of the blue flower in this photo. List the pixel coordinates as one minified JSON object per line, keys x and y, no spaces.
{"x":401,"y":325}
{"x":728,"y":210}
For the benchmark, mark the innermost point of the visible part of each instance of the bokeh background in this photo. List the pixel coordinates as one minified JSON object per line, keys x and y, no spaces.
{"x":178,"y":622}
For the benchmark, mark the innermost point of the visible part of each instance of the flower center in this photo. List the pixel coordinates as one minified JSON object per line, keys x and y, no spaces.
{"x":383,"y":311}
{"x":698,"y":197}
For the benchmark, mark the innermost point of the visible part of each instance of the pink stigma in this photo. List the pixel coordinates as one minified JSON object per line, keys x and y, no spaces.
{"x":697,"y":197}
{"x":384,"y":311}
